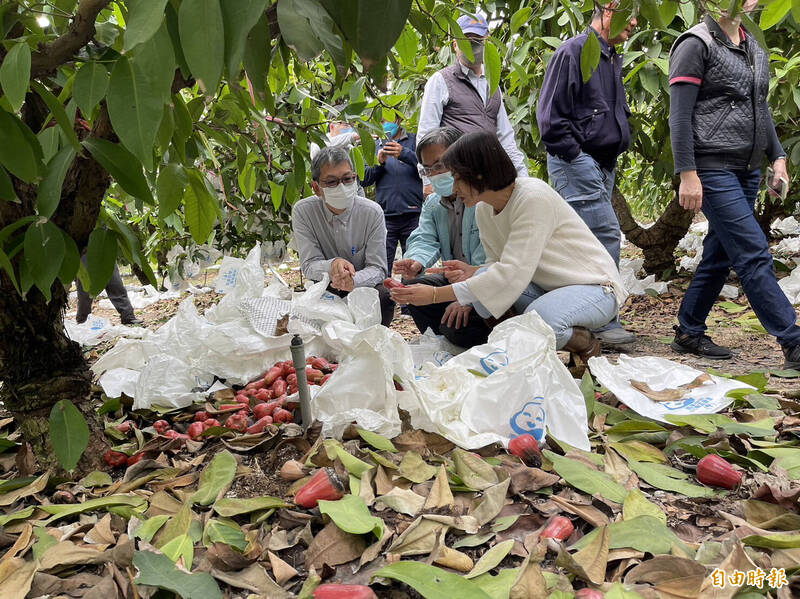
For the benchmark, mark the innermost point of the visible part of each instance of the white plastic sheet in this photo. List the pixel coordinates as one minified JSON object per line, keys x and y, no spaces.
{"x":692,"y":244}
{"x":96,"y":329}
{"x":629,"y":269}
{"x":526,"y":390}
{"x":660,"y":374}
{"x":787,"y":226}
{"x":791,"y":286}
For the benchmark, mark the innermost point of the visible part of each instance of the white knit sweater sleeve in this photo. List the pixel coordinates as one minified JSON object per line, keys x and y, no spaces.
{"x":522,"y":230}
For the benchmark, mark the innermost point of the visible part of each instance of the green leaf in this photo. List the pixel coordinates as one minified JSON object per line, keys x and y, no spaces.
{"x":238,"y":19}
{"x":234,"y":507}
{"x":276,"y":195}
{"x":170,"y":186}
{"x":473,"y":470}
{"x":20,"y":152}
{"x":150,"y":527}
{"x":15,"y":74}
{"x":753,"y":28}
{"x":203,"y":40}
{"x":590,"y":57}
{"x":350,"y":514}
{"x":379,"y":442}
{"x":247,"y":180}
{"x":71,"y":262}
{"x":200,"y":207}
{"x":407,"y":46}
{"x":636,"y":504}
{"x":587,"y":389}
{"x":217,"y":531}
{"x":154,"y":62}
{"x":585,"y":478}
{"x":62,"y":118}
{"x":644,"y":533}
{"x":44,"y":542}
{"x":709,"y":423}
{"x":144,"y":19}
{"x":49,"y":194}
{"x":101,"y":257}
{"x":491,"y":558}
{"x":22,"y":514}
{"x":5,"y":264}
{"x":353,"y":465}
{"x":135,"y":106}
{"x":69,"y":433}
{"x":296,"y":29}
{"x":217,"y":477}
{"x":493,"y":65}
{"x":432,"y":582}
{"x":415,"y":469}
{"x":96,"y":478}
{"x":157,"y":570}
{"x":7,"y":191}
{"x":776,"y":541}
{"x":796,"y":11}
{"x":519,"y":18}
{"x":666,"y":478}
{"x":180,"y":547}
{"x":91,"y":84}
{"x":44,"y":252}
{"x":357,"y":20}
{"x":499,"y":586}
{"x":122,"y":165}
{"x":773,"y":12}
{"x":256,"y":54}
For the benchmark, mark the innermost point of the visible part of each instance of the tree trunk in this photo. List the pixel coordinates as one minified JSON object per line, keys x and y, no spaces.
{"x":659,"y":241}
{"x":39,"y":366}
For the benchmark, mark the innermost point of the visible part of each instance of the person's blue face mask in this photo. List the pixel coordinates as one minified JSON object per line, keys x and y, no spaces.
{"x":347,"y":130}
{"x":391,"y":129}
{"x":442,"y":184}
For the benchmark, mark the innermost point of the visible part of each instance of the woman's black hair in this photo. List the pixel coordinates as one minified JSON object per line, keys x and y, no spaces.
{"x":480,"y":161}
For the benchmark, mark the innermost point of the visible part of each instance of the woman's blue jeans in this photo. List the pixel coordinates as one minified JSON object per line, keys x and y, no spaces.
{"x":587,"y":306}
{"x":735,"y":240}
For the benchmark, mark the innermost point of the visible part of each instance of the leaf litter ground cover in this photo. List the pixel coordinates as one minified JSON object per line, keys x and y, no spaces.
{"x":420,"y":517}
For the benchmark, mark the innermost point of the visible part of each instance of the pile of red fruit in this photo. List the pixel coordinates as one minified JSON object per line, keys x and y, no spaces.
{"x":261,"y":402}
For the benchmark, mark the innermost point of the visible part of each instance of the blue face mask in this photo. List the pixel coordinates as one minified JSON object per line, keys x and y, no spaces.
{"x":442,"y":184}
{"x":391,"y":129}
{"x":347,"y":130}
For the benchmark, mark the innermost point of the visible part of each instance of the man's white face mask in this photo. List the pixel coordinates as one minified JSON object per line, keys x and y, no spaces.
{"x":340,"y":197}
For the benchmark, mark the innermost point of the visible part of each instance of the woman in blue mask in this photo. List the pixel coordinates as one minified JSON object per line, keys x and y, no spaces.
{"x":446,"y":230}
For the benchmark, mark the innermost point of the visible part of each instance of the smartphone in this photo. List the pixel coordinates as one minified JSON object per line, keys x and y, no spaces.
{"x":779,"y":186}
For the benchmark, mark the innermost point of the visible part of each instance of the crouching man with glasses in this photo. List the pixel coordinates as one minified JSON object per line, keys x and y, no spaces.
{"x":340,"y":233}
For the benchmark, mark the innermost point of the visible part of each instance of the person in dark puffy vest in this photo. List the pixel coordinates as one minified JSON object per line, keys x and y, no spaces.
{"x":721,"y":129}
{"x":458,"y":97}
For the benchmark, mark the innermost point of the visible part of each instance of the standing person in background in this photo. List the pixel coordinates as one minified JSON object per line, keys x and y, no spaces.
{"x":721,"y":127}
{"x":117,"y":294}
{"x":447,"y":230}
{"x":458,"y":96}
{"x":398,"y":187}
{"x":339,"y":233}
{"x":584,"y":127}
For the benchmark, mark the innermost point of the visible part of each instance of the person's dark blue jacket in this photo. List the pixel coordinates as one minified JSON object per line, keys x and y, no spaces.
{"x":398,"y":187}
{"x":591,"y":117}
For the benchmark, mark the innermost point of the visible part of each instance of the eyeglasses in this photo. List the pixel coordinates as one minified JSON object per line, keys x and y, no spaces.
{"x":435,"y":168}
{"x":333,"y":181}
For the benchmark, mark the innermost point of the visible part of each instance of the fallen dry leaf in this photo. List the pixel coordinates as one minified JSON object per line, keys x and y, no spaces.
{"x":280,"y":569}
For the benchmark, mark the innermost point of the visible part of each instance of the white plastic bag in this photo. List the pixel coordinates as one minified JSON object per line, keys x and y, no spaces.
{"x":660,"y":374}
{"x":629,"y":269}
{"x":96,"y":329}
{"x":430,"y":347}
{"x":526,"y":390}
{"x":791,"y":286}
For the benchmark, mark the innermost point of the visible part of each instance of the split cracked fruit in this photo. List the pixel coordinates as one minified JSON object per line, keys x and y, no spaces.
{"x":323,"y":485}
{"x":116,"y":458}
{"x":559,"y":528}
{"x":526,"y":448}
{"x":343,"y":591}
{"x":717,"y":472}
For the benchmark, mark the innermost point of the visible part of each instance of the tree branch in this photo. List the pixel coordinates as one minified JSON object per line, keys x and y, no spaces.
{"x":51,"y":56}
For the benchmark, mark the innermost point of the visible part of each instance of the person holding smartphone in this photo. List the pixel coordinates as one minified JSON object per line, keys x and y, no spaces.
{"x":721,"y":128}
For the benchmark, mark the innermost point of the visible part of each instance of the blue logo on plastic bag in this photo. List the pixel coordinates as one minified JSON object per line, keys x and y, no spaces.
{"x":693,"y":404}
{"x":530,"y":420}
{"x":494,"y":361}
{"x":440,"y":357}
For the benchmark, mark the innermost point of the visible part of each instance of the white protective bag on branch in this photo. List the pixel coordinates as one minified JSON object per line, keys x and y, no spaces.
{"x":660,"y":374}
{"x":791,"y":286}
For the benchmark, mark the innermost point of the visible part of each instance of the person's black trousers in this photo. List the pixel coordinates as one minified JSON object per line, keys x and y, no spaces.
{"x":398,"y":230}
{"x":476,"y":331}
{"x":116,"y":293}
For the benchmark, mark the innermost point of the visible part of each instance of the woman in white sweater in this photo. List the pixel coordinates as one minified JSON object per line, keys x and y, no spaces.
{"x":540,"y":255}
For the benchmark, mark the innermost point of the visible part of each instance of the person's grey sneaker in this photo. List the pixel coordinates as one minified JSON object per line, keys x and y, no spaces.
{"x":792,"y":357}
{"x":615,"y":336}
